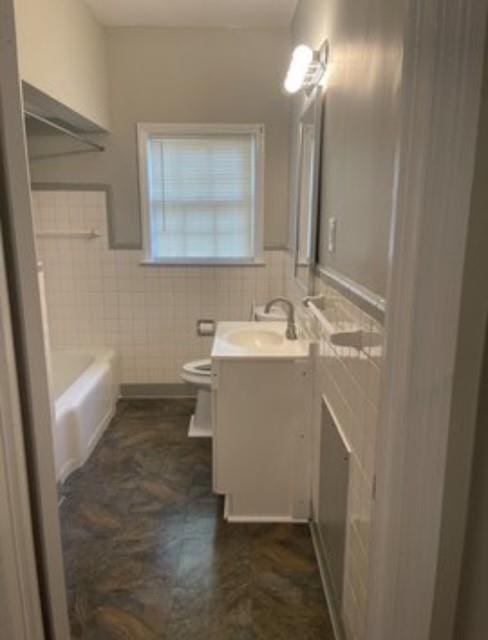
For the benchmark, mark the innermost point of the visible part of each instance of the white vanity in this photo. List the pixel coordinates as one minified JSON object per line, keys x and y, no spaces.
{"x":261,"y":403}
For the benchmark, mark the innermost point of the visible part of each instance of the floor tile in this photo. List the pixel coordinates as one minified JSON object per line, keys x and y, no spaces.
{"x":148,"y":555}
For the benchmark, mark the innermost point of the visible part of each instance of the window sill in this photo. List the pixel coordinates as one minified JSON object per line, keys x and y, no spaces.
{"x":258,"y":262}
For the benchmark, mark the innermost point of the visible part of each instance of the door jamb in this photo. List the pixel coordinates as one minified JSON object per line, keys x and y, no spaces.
{"x":443,"y":60}
{"x":23,"y":284}
{"x":20,"y":614}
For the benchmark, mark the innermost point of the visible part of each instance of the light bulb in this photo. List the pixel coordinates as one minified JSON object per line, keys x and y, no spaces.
{"x":300,"y":61}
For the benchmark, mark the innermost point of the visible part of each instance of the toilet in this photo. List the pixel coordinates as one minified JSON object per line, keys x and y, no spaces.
{"x":199,"y":374}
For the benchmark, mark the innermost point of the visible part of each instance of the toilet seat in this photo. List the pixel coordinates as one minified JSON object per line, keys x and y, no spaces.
{"x":199,"y":367}
{"x":198,"y":372}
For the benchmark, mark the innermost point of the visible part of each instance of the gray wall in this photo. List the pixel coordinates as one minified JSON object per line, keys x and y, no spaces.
{"x":62,"y":51}
{"x":186,"y":75}
{"x":361,"y":124}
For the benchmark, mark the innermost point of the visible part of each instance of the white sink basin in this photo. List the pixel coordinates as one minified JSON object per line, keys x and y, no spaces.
{"x":255,"y":339}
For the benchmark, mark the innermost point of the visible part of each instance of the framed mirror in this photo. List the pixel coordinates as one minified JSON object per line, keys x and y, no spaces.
{"x":307,"y":192}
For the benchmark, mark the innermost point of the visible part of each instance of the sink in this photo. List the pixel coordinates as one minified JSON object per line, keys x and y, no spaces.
{"x":255,"y":339}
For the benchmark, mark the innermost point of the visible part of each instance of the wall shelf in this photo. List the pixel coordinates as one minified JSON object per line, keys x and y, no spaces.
{"x":56,"y":127}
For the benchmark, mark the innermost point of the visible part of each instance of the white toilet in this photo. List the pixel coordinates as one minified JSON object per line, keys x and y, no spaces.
{"x":199,"y":374}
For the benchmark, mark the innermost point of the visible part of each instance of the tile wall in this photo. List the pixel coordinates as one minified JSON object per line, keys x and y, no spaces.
{"x":349,"y":379}
{"x":99,"y":297}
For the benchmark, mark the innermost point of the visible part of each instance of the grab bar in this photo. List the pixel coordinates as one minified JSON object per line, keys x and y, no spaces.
{"x":337,"y":337}
{"x":87,"y":235}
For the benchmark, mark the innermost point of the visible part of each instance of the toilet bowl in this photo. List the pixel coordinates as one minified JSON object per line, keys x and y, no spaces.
{"x":199,"y":374}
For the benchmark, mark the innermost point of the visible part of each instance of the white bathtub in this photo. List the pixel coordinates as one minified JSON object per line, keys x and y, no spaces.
{"x":85,"y":387}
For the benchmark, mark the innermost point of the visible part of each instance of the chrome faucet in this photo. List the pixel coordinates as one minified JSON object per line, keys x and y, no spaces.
{"x":291,"y":329}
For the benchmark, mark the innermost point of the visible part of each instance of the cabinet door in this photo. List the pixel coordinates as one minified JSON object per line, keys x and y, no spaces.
{"x":259,"y":419}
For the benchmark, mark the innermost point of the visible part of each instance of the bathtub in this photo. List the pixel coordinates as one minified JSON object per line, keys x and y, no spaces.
{"x":85,"y":389}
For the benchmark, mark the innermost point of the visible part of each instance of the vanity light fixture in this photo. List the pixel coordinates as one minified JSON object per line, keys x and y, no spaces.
{"x":307,"y":68}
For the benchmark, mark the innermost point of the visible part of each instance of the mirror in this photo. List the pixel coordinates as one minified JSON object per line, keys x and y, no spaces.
{"x":307,"y":193}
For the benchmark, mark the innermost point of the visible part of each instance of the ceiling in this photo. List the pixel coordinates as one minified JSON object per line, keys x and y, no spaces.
{"x":194,"y":13}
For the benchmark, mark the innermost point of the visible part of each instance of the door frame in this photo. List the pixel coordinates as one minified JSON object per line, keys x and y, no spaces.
{"x":441,"y":92}
{"x":28,"y":336}
{"x":441,"y":83}
{"x":20,"y":613}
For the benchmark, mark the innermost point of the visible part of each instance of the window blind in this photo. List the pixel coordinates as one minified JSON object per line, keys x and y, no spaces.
{"x":202,"y":196}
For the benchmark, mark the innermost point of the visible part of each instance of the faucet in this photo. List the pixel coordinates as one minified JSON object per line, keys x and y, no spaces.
{"x":291,"y":330}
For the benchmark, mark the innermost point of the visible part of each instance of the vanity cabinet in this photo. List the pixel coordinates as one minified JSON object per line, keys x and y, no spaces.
{"x":261,"y":445}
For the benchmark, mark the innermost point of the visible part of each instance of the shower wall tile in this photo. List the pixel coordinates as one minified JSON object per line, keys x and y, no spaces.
{"x":349,"y":379}
{"x":148,"y":314}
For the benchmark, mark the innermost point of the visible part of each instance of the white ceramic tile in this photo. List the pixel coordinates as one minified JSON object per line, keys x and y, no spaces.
{"x":350,"y":380}
{"x":97,"y":296}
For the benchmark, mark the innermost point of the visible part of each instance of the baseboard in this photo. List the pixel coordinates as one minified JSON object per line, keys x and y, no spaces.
{"x":162,"y":390}
{"x":265,"y":519}
{"x":259,"y":519}
{"x":336,"y":619}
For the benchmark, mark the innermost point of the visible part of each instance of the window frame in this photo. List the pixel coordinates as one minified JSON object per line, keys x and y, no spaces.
{"x":144,"y":132}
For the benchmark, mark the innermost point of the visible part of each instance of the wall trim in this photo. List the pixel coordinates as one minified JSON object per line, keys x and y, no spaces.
{"x":369,"y":302}
{"x":107,"y":188}
{"x":157,"y":390}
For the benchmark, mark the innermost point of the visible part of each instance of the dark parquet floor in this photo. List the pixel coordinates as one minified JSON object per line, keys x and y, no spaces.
{"x":149,"y":557}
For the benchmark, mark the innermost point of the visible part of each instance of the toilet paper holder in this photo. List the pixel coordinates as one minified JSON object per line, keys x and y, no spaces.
{"x":205,"y":328}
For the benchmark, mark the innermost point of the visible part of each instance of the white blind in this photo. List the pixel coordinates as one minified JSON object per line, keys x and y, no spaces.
{"x":202,"y":196}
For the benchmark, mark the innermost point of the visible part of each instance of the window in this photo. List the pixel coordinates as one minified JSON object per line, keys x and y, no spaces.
{"x":201,"y":192}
